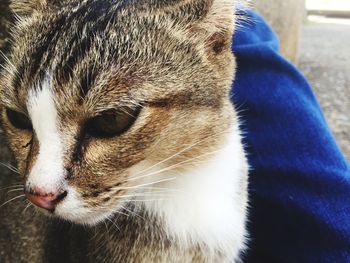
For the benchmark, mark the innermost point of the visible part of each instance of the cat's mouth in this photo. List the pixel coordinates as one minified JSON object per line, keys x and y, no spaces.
{"x":67,"y":205}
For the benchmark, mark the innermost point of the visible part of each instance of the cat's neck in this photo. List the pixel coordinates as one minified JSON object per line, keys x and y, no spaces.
{"x":207,"y":207}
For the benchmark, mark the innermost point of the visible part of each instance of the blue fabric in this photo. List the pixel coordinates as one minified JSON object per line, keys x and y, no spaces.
{"x":300,"y":181}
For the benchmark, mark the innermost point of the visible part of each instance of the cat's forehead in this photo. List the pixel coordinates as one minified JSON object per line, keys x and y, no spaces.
{"x":96,"y":51}
{"x":78,"y":58}
{"x":70,"y":47}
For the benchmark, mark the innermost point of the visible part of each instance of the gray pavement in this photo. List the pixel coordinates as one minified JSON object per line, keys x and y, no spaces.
{"x":325,"y":60}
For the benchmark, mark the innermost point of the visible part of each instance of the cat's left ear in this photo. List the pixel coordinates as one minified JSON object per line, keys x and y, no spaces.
{"x":212,"y":22}
{"x":24,"y":8}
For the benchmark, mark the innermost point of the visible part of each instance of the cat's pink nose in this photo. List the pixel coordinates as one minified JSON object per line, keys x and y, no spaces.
{"x":44,"y":200}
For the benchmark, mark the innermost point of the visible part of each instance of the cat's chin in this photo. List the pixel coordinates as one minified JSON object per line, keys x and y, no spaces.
{"x":87,"y":219}
{"x":90,"y":219}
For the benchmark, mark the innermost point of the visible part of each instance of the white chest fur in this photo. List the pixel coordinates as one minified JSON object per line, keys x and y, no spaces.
{"x":208,"y":207}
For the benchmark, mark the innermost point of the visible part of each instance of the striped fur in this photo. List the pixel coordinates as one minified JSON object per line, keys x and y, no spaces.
{"x":73,"y":60}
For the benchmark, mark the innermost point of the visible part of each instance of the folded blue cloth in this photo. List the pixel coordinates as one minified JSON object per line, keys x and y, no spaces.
{"x":300,"y":181}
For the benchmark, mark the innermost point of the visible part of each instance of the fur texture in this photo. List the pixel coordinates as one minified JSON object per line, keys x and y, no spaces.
{"x":175,"y":182}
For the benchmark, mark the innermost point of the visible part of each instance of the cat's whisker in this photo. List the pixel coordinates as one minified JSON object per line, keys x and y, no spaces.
{"x":13,"y":167}
{"x":145,"y":200}
{"x":174,"y":165}
{"x":132,"y":212}
{"x":101,"y":239}
{"x":107,"y":230}
{"x":114,"y":211}
{"x":140,"y":187}
{"x":5,"y":68}
{"x":155,"y":192}
{"x":25,"y":209}
{"x":12,"y":199}
{"x":153,"y":188}
{"x":114,"y":224}
{"x":95,"y":234}
{"x":12,"y":186}
{"x":122,"y":213}
{"x":15,"y":190}
{"x":182,"y":151}
{"x":10,"y":167}
{"x":143,"y":195}
{"x":146,"y":184}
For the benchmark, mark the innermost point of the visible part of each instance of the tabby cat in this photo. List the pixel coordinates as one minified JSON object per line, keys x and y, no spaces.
{"x":119,"y":111}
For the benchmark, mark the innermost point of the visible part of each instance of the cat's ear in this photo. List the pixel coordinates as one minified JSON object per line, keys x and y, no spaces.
{"x":212,"y":22}
{"x":27,"y":7}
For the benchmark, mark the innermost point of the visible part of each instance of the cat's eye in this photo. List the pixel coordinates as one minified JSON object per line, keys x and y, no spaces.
{"x":112,"y":124}
{"x":19,"y":120}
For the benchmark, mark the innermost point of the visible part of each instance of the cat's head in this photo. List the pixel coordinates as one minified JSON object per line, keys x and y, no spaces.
{"x":103,"y":101}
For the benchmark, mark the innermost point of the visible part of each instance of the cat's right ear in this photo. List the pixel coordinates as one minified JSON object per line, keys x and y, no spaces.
{"x":25,"y":8}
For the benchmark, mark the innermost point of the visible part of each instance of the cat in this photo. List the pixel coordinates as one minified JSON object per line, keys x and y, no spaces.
{"x":119,"y":111}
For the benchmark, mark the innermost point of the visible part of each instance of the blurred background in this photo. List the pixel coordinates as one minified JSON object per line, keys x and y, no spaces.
{"x":315,"y":36}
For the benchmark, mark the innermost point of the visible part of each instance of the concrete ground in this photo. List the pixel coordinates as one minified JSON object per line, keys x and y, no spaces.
{"x":325,"y":60}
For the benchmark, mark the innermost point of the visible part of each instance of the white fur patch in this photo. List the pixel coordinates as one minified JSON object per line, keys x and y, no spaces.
{"x":207,"y":209}
{"x":73,"y":208}
{"x":47,"y":173}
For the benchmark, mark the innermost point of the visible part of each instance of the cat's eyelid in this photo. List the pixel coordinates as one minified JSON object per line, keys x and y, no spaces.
{"x":16,"y":109}
{"x":116,"y":110}
{"x":12,"y":105}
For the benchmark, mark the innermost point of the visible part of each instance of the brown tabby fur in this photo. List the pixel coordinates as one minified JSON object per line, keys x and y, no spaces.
{"x":173,"y":58}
